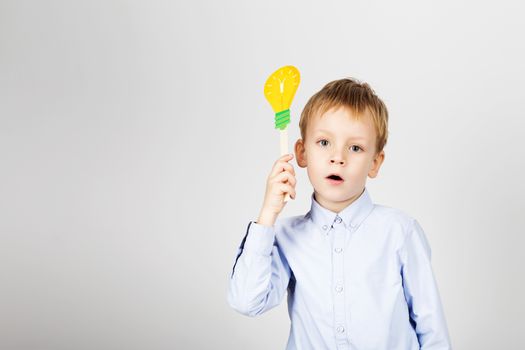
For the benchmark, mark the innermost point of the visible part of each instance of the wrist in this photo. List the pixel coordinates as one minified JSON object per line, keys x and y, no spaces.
{"x":266,"y":218}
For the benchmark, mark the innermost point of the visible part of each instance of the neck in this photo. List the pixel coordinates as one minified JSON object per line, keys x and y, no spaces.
{"x":336,"y":206}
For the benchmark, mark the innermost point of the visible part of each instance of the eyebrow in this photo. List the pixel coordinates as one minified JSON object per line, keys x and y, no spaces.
{"x":350,"y":138}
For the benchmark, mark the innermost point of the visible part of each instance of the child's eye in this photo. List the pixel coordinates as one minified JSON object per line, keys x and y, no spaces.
{"x":321,"y":141}
{"x":324,"y":142}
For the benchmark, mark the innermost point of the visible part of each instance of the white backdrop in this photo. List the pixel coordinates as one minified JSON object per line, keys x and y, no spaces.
{"x":135,"y":142}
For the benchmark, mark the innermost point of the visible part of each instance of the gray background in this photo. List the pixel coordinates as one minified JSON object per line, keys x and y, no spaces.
{"x":135,"y":142}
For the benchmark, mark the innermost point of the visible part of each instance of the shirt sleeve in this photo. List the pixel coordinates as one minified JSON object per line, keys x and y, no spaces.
{"x":421,"y":291}
{"x":260,"y":274}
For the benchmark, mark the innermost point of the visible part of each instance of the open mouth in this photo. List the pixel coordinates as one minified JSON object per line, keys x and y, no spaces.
{"x":334,"y":178}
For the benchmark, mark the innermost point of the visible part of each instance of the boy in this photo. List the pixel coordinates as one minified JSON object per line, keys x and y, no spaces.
{"x":358,"y":274}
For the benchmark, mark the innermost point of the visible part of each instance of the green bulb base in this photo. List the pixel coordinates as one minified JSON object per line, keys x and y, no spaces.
{"x":282,"y":119}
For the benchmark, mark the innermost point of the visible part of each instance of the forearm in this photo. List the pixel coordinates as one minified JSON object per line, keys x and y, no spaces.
{"x":259,"y":277}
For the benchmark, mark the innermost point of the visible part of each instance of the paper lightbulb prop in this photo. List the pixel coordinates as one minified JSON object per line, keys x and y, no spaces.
{"x":279,"y":90}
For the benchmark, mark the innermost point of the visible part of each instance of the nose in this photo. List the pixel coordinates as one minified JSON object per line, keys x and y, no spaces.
{"x":338,"y":155}
{"x":337,"y":160}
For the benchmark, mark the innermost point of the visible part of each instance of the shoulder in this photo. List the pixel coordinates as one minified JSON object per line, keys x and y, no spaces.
{"x":411,"y":233}
{"x":397,"y":222}
{"x":393,"y":217}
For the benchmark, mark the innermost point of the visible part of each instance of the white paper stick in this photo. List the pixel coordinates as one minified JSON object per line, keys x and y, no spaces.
{"x":284,"y":150}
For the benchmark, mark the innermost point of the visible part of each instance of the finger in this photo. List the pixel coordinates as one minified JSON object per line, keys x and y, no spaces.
{"x":280,"y":164}
{"x":281,"y":167}
{"x":286,"y":156}
{"x":285,"y":188}
{"x":289,"y":167}
{"x":283,"y":177}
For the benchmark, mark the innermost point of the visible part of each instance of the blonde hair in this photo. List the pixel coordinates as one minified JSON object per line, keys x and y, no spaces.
{"x":353,"y":94}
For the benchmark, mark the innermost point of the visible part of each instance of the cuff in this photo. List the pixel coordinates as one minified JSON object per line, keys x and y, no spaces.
{"x":260,"y":239}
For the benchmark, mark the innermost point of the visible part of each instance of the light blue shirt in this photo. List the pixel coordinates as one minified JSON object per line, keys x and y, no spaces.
{"x":360,"y":279}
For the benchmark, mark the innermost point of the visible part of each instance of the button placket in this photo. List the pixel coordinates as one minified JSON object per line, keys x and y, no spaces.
{"x":338,"y":282}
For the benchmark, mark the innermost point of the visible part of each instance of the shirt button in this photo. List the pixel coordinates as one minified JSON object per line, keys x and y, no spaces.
{"x":338,"y":220}
{"x":339,"y":288}
{"x":338,"y":250}
{"x":340,"y":329}
{"x":325,"y":227}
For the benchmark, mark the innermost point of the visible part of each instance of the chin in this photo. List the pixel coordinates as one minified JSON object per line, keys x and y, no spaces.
{"x":339,"y":194}
{"x":334,"y":195}
{"x":340,"y":197}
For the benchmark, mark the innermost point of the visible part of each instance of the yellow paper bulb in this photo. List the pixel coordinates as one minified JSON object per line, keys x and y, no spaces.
{"x":280,"y":90}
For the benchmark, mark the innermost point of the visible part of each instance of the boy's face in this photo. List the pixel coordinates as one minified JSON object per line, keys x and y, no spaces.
{"x":337,"y":143}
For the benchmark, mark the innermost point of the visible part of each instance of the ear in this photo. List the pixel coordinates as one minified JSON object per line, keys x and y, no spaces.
{"x":300,"y":155}
{"x":376,"y":164}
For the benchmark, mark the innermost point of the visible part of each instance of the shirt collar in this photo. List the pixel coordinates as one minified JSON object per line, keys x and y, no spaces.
{"x":351,"y":216}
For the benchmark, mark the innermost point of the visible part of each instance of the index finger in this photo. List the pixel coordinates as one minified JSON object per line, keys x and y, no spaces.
{"x":286,"y":156}
{"x":276,"y":168}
